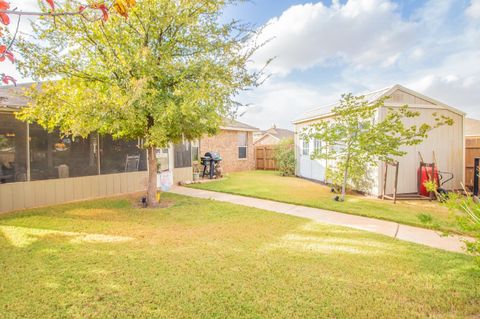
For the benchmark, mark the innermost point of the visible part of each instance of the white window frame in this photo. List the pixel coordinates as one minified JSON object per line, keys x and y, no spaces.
{"x":317,"y":145}
{"x":242,"y":146}
{"x":305,"y":147}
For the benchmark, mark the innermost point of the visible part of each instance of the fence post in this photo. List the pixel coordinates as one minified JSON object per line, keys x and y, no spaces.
{"x":264,"y":158}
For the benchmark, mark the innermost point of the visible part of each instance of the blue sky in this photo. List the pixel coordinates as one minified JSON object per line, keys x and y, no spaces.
{"x":325,"y":48}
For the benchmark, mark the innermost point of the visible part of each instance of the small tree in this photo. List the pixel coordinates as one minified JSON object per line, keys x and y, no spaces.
{"x":285,"y":157}
{"x":356,"y":141}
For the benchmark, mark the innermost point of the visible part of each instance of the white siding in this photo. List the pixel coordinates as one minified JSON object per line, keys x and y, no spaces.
{"x":306,"y":167}
{"x":446,"y":141}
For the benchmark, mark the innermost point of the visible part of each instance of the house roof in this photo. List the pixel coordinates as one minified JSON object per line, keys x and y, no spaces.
{"x":278,"y":133}
{"x":370,"y":97}
{"x":12,"y":97}
{"x":234,"y":125}
{"x":472,"y":127}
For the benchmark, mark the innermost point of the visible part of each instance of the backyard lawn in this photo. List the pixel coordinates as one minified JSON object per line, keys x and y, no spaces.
{"x":270,"y":185}
{"x":203,"y":259}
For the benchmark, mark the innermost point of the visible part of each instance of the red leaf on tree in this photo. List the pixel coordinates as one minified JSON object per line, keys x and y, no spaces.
{"x":5,"y":53}
{"x":102,"y":8}
{"x":51,"y":4}
{"x":4,"y":5}
{"x":81,"y":8}
{"x":7,"y":78}
{"x":4,"y":18}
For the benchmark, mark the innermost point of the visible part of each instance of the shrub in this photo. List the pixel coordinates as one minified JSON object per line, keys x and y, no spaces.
{"x":425,"y":218}
{"x":469,"y":219}
{"x":285,"y":157}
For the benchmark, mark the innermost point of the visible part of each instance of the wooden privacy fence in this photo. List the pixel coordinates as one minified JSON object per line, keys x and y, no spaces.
{"x":265,"y":157}
{"x":472,"y":150}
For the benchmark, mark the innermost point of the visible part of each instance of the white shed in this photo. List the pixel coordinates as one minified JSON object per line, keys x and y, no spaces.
{"x":447,"y":142}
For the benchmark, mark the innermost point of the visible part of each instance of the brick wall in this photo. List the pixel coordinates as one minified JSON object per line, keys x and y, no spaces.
{"x":226,"y":143}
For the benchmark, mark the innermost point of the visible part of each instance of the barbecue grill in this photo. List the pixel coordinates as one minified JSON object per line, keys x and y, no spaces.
{"x":211,"y":165}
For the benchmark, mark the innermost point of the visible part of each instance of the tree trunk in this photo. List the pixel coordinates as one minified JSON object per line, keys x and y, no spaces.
{"x":345,"y":178}
{"x":152,"y":178}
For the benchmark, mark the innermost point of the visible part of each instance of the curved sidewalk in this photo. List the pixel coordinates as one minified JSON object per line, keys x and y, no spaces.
{"x":417,"y":235}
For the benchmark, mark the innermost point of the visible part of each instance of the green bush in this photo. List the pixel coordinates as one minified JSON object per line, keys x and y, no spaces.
{"x":425,"y":218}
{"x":469,"y":218}
{"x":285,"y":157}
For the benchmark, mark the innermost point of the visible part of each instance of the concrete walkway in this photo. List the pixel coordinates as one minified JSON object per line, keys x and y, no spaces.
{"x":412,"y":234}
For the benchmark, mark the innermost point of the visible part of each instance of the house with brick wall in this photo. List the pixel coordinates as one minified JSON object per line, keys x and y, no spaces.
{"x":234,"y":143}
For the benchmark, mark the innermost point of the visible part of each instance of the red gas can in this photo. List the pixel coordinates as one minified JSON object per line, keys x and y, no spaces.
{"x":424,"y":173}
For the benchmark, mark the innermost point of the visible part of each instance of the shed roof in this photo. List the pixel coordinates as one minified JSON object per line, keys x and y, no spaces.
{"x":371,"y":97}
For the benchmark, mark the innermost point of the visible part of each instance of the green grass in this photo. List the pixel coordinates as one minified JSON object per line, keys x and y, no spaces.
{"x":270,"y":185}
{"x":206,"y":259}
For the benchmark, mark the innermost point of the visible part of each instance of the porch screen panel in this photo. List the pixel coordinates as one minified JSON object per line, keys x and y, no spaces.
{"x":54,"y":155}
{"x":13,"y":149}
{"x":114,"y":153}
{"x":182,"y":155}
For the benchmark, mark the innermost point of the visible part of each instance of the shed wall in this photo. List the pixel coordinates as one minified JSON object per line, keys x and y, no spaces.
{"x":446,"y":141}
{"x":305,"y":166}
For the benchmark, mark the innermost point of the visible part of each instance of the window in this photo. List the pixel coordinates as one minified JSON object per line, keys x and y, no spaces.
{"x":306,"y":147}
{"x":242,"y":144}
{"x":317,"y":146}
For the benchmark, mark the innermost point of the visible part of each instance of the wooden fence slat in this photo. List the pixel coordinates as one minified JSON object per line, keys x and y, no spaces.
{"x":472,"y":150}
{"x":265,"y":157}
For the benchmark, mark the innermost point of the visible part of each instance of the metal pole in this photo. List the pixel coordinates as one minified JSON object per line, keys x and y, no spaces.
{"x":476,"y":172}
{"x":27,"y":143}
{"x":385,"y":181}
{"x":99,"y":171}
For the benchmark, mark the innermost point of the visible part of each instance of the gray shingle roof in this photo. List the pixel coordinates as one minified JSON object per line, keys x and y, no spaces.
{"x":280,"y":133}
{"x":13,"y":96}
{"x":234,"y":124}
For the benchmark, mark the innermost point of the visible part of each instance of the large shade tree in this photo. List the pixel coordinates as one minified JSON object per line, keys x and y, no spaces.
{"x":168,"y":73}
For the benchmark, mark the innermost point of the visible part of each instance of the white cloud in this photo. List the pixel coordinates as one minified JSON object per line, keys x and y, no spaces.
{"x":280,"y":102}
{"x":360,"y":32}
{"x":473,"y":10}
{"x":456,"y":81}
